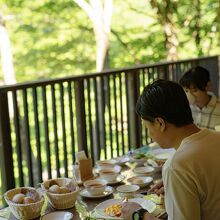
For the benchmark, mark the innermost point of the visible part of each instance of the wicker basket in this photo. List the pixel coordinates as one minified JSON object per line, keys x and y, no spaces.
{"x":23,"y":211}
{"x":60,"y":201}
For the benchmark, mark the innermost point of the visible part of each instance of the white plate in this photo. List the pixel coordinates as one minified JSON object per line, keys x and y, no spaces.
{"x":146,"y":204}
{"x":108,"y":191}
{"x":119,"y":179}
{"x":143,"y":170}
{"x":128,"y":188}
{"x":152,"y":163}
{"x":141,"y":181}
{"x":58,"y":215}
{"x":122,"y":160}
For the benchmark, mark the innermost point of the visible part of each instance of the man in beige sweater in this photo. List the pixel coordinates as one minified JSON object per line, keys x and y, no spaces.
{"x":191,"y":177}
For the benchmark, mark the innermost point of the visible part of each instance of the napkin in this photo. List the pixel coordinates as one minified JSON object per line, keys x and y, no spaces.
{"x":85,"y":169}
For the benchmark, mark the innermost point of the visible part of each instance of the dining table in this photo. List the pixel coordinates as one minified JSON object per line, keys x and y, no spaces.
{"x":84,"y":207}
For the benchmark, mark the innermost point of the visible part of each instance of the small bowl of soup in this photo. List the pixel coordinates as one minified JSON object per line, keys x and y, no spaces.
{"x":109,"y":174}
{"x":95,"y":187}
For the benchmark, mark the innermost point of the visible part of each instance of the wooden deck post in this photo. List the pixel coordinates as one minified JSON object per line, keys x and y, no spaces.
{"x":134,"y":124}
{"x":80,"y":116}
{"x":6,"y":161}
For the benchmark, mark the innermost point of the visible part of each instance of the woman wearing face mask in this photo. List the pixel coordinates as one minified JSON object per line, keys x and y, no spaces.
{"x":204,"y":105}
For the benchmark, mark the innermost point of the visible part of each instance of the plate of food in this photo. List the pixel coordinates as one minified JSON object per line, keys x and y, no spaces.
{"x":111,"y":209}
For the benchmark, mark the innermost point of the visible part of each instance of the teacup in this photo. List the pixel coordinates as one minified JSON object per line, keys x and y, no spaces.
{"x":109,"y":174}
{"x":103,"y":164}
{"x":95,"y":187}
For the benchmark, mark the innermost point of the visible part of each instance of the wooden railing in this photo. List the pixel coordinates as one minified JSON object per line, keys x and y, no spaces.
{"x":44,"y":123}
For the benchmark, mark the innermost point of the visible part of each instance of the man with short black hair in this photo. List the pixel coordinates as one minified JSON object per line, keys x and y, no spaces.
{"x":204,"y":105}
{"x":191,"y":177}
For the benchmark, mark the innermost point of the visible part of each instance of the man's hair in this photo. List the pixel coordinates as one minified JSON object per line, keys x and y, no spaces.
{"x":165,"y":99}
{"x":197,"y":77}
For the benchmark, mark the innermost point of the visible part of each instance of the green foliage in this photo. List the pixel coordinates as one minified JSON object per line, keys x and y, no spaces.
{"x":55,"y":38}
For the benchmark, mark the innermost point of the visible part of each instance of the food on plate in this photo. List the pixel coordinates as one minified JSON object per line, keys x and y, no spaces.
{"x":114,"y":210}
{"x":139,"y":156}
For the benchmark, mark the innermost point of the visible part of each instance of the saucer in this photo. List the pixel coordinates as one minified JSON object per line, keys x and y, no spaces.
{"x":108,"y":191}
{"x":119,"y":179}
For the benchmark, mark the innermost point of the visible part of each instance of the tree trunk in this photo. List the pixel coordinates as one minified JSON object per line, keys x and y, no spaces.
{"x":100,"y":15}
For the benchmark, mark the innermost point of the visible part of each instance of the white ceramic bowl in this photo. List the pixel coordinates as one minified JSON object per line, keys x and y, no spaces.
{"x":141,"y":181}
{"x":109,"y":174}
{"x":128,"y":188}
{"x":140,"y":171}
{"x":59,"y":215}
{"x":103,"y":164}
{"x":95,"y":187}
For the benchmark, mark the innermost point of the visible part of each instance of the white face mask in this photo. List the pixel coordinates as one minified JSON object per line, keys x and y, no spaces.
{"x":191,"y":98}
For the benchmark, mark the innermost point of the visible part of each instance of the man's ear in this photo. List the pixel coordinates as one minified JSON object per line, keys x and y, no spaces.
{"x":161,"y":124}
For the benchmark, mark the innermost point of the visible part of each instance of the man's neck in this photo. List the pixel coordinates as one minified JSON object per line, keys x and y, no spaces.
{"x":183,"y":132}
{"x":203,"y":101}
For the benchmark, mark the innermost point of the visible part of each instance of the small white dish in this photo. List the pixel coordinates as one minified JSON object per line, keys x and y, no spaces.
{"x":122,"y":160}
{"x":141,"y":181}
{"x":58,"y":215}
{"x":128,"y":188}
{"x":154,"y":164}
{"x":108,"y":191}
{"x":143,"y":170}
{"x":119,"y":179}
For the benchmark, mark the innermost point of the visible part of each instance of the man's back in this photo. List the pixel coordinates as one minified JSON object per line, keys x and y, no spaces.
{"x":192,"y":179}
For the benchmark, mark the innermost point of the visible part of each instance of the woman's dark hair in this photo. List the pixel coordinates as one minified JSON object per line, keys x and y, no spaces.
{"x":197,"y":77}
{"x":165,"y":99}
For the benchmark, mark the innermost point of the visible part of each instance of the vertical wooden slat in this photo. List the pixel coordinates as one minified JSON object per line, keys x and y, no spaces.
{"x":71,"y":121}
{"x":27,"y":138}
{"x":6,"y":160}
{"x":127,"y":106}
{"x":134,"y":120}
{"x":116,"y":115}
{"x":97,"y":150}
{"x":54,"y":107}
{"x":121,"y":110}
{"x":46,"y":131}
{"x":80,"y":115}
{"x":110,"y":114}
{"x":18,"y":137}
{"x":90,"y":119}
{"x":101,"y":109}
{"x":37,"y":134}
{"x":63,"y":130}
